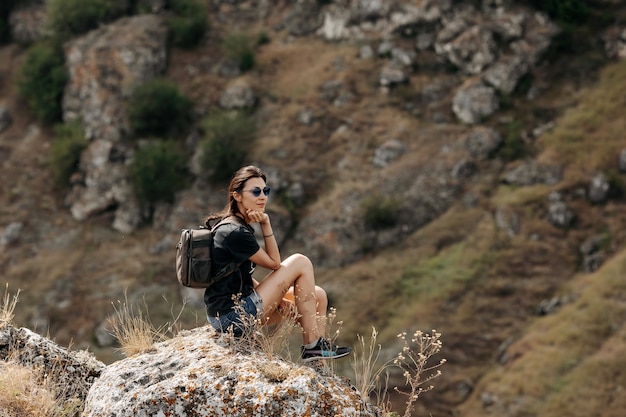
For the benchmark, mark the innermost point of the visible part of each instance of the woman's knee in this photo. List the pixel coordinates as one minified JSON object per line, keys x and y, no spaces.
{"x":300,"y":261}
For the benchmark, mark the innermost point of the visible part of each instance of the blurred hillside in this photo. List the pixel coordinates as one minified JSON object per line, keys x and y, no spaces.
{"x":502,"y":229}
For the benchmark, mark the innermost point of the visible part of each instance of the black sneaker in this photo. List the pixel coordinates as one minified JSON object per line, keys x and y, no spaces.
{"x":324,"y":350}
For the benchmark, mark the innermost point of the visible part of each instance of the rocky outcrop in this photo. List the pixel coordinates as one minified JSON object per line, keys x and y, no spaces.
{"x":103,"y":66}
{"x":499,"y":43}
{"x":70,"y":373}
{"x":193,"y":375}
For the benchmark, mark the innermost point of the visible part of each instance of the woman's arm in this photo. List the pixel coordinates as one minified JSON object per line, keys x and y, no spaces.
{"x":270,"y":256}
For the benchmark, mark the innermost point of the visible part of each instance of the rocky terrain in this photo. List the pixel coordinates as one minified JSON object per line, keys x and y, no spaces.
{"x":487,"y":133}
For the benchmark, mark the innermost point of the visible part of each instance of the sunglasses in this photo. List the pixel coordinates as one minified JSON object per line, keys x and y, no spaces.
{"x":256,"y":191}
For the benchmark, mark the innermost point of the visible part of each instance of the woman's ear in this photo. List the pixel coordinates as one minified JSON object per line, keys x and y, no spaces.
{"x":236,"y":196}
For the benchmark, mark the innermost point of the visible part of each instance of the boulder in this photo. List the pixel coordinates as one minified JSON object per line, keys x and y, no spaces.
{"x":195,"y":375}
{"x":474,"y":101}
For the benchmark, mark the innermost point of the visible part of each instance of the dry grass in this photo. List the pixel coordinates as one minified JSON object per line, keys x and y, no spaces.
{"x":133,"y":329}
{"x":368,"y":373}
{"x":7,"y":308}
{"x":588,"y":137}
{"x":579,"y":349}
{"x":22,"y":394}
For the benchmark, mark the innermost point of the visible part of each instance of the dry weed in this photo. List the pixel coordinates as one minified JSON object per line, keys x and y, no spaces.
{"x":271,"y":340}
{"x":134,"y":332}
{"x":413,"y":360}
{"x":368,"y":374}
{"x":8,"y":305}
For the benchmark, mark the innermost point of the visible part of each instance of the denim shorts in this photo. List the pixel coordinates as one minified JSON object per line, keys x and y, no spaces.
{"x":252,"y":305}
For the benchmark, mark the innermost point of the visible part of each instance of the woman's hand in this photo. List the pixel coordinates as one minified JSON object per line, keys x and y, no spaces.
{"x":257,"y":216}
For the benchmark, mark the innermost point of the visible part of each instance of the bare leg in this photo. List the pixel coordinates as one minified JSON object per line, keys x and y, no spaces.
{"x":296,"y":271}
{"x":289,"y":298}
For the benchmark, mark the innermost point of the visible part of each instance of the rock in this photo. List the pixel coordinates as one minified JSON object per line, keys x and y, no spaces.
{"x":366,"y":52}
{"x":11,"y":233}
{"x":474,"y":101}
{"x":103,"y":335}
{"x":304,"y":18}
{"x":403,"y":57}
{"x":388,"y":152}
{"x":506,"y":73}
{"x":5,"y":119}
{"x":390,"y":76}
{"x":105,"y":185}
{"x":538,"y":33}
{"x":549,"y":306}
{"x":104,"y":65}
{"x":472,"y":50}
{"x":615,"y":42}
{"x":530,"y":172}
{"x":194,"y":375}
{"x":508,"y":220}
{"x":560,"y":215}
{"x":598,"y":191}
{"x":305,"y":117}
{"x":481,"y":142}
{"x":238,"y":96}
{"x":463,"y":169}
{"x":507,"y":24}
{"x":28,"y":22}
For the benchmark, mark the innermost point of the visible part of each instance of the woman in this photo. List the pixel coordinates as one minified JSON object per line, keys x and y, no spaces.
{"x":291,"y":279}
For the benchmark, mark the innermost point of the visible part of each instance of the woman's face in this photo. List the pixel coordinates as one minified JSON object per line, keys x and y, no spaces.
{"x":247,"y":199}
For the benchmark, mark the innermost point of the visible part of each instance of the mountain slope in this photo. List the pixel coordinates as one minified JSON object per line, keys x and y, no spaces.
{"x":483,"y":282}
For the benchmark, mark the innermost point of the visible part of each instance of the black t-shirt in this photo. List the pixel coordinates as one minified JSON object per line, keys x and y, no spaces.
{"x":232,"y":242}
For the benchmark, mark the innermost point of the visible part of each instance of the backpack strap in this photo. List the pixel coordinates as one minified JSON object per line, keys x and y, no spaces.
{"x":232,"y":266}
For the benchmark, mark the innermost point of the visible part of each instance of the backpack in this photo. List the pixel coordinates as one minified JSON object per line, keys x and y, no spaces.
{"x":193,"y":258}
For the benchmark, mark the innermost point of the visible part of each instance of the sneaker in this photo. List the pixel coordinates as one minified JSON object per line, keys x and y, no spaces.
{"x":324,"y":350}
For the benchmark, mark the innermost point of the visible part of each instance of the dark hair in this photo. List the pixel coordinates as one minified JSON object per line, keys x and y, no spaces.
{"x":237,"y":182}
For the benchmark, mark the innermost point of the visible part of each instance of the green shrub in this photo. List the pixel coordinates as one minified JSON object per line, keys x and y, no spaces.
{"x":224,"y":148}
{"x":566,"y":12}
{"x":513,"y":146}
{"x":73,"y":17}
{"x":68,"y":143}
{"x":380,"y":212}
{"x":158,"y":108}
{"x":42,"y":79}
{"x":188,"y":23}
{"x":238,"y":47}
{"x":157,"y":171}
